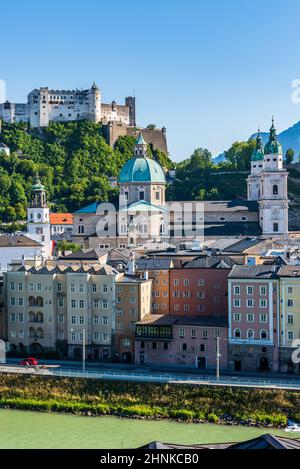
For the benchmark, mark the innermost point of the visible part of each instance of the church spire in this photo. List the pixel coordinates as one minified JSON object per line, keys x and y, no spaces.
{"x":140,"y":146}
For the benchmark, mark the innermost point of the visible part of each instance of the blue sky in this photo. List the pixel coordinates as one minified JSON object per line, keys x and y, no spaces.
{"x":211,"y":71}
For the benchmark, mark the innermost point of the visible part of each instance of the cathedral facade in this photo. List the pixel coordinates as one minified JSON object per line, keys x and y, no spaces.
{"x":144,"y":217}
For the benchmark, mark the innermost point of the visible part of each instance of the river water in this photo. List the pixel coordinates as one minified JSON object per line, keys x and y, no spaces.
{"x":19,"y":429}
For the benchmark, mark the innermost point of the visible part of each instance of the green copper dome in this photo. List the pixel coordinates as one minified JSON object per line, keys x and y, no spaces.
{"x":141,"y":169}
{"x":273,"y":146}
{"x":258,"y":153}
{"x":37,"y":186}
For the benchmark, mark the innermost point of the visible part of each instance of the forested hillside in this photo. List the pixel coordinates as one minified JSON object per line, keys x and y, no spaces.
{"x":73,"y":160}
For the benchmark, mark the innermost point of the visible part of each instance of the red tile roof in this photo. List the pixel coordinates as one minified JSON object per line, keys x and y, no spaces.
{"x":61,"y":218}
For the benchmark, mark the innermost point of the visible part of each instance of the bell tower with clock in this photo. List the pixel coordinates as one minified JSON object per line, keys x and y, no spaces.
{"x":38,"y":220}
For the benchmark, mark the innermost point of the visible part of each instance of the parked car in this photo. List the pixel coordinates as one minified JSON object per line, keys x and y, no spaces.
{"x":30,"y":361}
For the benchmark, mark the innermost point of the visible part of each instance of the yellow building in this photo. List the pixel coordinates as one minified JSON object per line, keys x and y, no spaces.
{"x":289,"y":294}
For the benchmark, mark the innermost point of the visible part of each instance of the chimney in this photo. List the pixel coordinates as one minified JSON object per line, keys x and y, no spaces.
{"x":131,"y":264}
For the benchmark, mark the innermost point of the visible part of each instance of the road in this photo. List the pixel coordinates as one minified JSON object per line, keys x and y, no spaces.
{"x":138,"y":374}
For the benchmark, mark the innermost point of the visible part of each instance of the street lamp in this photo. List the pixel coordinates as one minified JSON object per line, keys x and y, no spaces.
{"x":83,"y":349}
{"x":218,"y":356}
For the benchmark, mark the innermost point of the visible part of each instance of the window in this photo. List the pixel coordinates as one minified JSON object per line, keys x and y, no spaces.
{"x":119,"y":312}
{"x":263,"y":318}
{"x":176,"y":282}
{"x":20,"y":286}
{"x":12,"y":317}
{"x":132,"y":312}
{"x":12,"y":286}
{"x":202,"y":347}
{"x":104,"y":304}
{"x":237,"y":333}
{"x":263,"y":334}
{"x":39,"y":287}
{"x":290,"y":302}
{"x":132,"y":299}
{"x":81,"y":304}
{"x":20,"y":302}
{"x":80,"y":288}
{"x":105,"y":337}
{"x":237,"y":317}
{"x":250,"y":317}
{"x":193,"y":333}
{"x":59,"y":287}
{"x":263,"y":290}
{"x":237,"y":303}
{"x":81,"y":229}
{"x":275,"y":189}
{"x":217,"y":299}
{"x":201,"y":295}
{"x":119,"y":289}
{"x":166,"y":345}
{"x":186,"y":307}
{"x":119,"y":325}
{"x":31,"y":287}
{"x":217,"y":286}
{"x":216,"y":333}
{"x":201,"y":282}
{"x":181,"y":332}
{"x":96,"y":320}
{"x":186,"y":282}
{"x":205,"y":333}
{"x":249,"y":290}
{"x":12,"y":301}
{"x":73,"y":304}
{"x":81,"y":320}
{"x":290,"y":289}
{"x":105,"y":320}
{"x":126,"y":342}
{"x":21,"y":317}
{"x":72,"y":288}
{"x":263,"y":303}
{"x":184,"y":347}
{"x":275,"y":227}
{"x":96,"y":303}
{"x":249,"y":303}
{"x":290,"y":319}
{"x":186,"y":294}
{"x":154,"y":345}
{"x":200,"y":308}
{"x":73,"y":336}
{"x":290,"y":335}
{"x":60,"y":302}
{"x":60,"y":319}
{"x":105,"y":288}
{"x":73,"y":320}
{"x":175,"y":294}
{"x":250,"y":334}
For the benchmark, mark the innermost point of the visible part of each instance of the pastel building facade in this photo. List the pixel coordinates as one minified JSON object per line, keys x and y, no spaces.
{"x":181,"y":341}
{"x":133,"y":303}
{"x":289,"y":285}
{"x":253,"y":317}
{"x":199,"y":288}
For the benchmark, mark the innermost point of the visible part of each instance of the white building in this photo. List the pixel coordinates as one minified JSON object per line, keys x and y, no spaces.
{"x":267,"y":184}
{"x":45,"y":105}
{"x":38,"y":220}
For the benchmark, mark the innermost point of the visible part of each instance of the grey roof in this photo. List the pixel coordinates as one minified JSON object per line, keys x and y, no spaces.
{"x":83,"y":269}
{"x":92,"y":254}
{"x":267,"y":441}
{"x":243,"y":244}
{"x":235,"y":205}
{"x":166,"y":320}
{"x":226,"y":229}
{"x":131,"y":279}
{"x":154,"y":264}
{"x":256,"y":271}
{"x":289,"y":271}
{"x":211,"y":262}
{"x":17,"y":240}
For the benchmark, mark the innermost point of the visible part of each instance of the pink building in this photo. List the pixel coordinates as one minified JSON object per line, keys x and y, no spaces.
{"x":253,"y":316}
{"x":181,"y":341}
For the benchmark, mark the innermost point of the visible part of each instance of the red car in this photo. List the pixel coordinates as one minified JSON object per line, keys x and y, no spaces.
{"x":30,"y":361}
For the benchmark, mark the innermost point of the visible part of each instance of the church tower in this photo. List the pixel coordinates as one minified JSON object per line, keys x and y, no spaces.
{"x":38,"y":221}
{"x":257,"y":162}
{"x":273,"y":199}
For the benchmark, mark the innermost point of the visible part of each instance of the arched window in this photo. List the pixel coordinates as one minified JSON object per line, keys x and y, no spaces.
{"x":31,"y":301}
{"x":39,"y":301}
{"x":40,"y":333}
{"x":81,"y":229}
{"x":263,"y":334}
{"x":237,"y":333}
{"x":250,"y":334}
{"x":40,"y":317}
{"x":275,"y":189}
{"x":31,"y":316}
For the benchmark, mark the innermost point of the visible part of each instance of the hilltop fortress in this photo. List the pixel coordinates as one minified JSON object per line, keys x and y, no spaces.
{"x":45,"y":105}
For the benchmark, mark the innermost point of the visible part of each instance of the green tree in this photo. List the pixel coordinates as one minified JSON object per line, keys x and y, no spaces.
{"x":289,"y":156}
{"x":239,"y":154}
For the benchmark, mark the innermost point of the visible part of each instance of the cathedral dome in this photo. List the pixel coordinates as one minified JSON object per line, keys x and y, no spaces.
{"x":141,"y":169}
